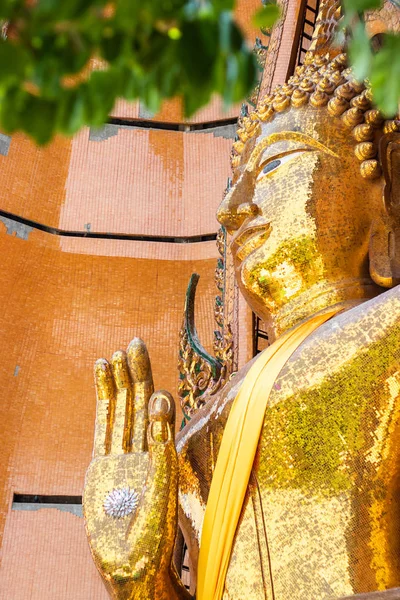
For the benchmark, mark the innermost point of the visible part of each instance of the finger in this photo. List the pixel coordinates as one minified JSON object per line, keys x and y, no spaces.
{"x":105,"y":392}
{"x":140,"y":368}
{"x":122,"y":423}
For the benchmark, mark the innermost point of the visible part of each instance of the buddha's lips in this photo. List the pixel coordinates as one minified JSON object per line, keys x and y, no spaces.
{"x":251,"y":238}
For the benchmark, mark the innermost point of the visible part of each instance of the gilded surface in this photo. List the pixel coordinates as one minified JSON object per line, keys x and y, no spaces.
{"x":321,"y":519}
{"x":134,"y":448}
{"x":225,"y":346}
{"x":201,"y":375}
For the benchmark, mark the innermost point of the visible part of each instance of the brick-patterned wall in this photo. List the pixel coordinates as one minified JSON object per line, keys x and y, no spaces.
{"x":59,"y":312}
{"x":32,"y":179}
{"x":66,"y":301}
{"x":135,"y":181}
{"x":46,"y":557}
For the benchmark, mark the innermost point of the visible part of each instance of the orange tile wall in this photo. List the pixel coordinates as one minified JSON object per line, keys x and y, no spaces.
{"x":46,"y":556}
{"x":146,"y":181}
{"x":60,"y":311}
{"x":137,"y":181}
{"x":32,"y":179}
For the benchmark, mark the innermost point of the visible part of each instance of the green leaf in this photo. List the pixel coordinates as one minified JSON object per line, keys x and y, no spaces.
{"x":151,"y":98}
{"x":225,"y":27}
{"x":154,"y":49}
{"x":129,"y":87}
{"x":64,"y":10}
{"x":266,"y":16}
{"x":360,"y":53}
{"x":71,"y":111}
{"x":197,"y":9}
{"x":13,"y":63}
{"x":38,"y":119}
{"x":247,"y":75}
{"x":193,"y":102}
{"x":385,"y":76}
{"x":112,"y":46}
{"x":352,"y":7}
{"x":198,"y":52}
{"x":100,"y":93}
{"x":174,"y":33}
{"x":12,"y":105}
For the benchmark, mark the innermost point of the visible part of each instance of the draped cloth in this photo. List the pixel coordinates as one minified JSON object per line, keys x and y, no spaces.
{"x":236,"y":455}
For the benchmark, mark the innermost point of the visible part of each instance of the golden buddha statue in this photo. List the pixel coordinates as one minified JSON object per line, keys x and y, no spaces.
{"x":314,"y":214}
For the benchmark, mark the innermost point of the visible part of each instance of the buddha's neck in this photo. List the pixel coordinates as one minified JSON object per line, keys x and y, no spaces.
{"x":318,"y":299}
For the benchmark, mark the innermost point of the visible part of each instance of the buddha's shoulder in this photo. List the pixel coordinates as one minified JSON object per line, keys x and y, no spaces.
{"x":361,"y":343}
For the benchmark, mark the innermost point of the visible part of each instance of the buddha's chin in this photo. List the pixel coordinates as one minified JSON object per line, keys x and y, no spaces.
{"x":263,"y":304}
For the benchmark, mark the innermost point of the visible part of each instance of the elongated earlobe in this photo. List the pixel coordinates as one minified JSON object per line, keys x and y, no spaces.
{"x":380,"y":250}
{"x":384,"y":249}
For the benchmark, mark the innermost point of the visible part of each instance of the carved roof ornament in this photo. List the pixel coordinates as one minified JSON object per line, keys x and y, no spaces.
{"x":324,"y":80}
{"x":201,"y":375}
{"x":199,"y":371}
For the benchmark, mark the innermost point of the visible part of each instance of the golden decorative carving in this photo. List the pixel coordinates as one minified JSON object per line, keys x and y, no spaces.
{"x":223,"y":338}
{"x":199,"y":372}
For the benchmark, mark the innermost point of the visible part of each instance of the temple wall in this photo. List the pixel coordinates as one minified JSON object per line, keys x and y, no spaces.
{"x":67,"y":307}
{"x":120,"y":180}
{"x":65,"y":301}
{"x":46,"y":556}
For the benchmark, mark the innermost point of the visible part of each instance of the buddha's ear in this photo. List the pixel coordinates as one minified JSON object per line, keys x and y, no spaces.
{"x":384,"y":249}
{"x":389,"y":152}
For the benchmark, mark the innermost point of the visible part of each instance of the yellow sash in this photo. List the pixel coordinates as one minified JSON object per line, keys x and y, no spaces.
{"x":235,"y":459}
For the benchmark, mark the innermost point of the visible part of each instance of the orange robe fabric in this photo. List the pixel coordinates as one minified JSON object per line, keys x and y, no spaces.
{"x":236,"y":455}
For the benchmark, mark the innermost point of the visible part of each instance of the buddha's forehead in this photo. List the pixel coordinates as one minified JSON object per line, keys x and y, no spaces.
{"x":315,"y":123}
{"x":298,"y":125}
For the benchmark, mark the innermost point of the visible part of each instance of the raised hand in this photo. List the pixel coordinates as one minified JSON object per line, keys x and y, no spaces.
{"x":130,"y":496}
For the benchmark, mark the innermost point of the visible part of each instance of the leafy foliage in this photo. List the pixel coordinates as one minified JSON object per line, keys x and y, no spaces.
{"x":267,"y":15}
{"x":381,"y":67}
{"x":150,"y":50}
{"x":145,"y":49}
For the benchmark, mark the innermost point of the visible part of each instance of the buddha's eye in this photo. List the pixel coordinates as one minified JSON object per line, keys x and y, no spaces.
{"x":273,"y":165}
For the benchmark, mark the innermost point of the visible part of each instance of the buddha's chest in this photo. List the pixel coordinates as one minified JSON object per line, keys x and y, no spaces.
{"x":321,"y":517}
{"x":328,"y":480}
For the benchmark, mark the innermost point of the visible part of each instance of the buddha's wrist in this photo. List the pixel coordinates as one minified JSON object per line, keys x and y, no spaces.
{"x":164,"y":585}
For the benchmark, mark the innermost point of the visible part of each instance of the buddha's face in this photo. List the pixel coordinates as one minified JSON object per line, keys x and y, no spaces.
{"x":300,"y":214}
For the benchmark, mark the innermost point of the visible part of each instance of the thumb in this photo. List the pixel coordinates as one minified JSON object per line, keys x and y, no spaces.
{"x":153,"y":529}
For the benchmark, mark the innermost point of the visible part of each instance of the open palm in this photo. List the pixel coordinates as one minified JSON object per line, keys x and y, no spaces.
{"x":130,"y":497}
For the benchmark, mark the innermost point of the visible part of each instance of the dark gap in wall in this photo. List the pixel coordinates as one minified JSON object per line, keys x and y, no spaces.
{"x":41,"y":499}
{"x":190,"y":239}
{"x":187,"y":127}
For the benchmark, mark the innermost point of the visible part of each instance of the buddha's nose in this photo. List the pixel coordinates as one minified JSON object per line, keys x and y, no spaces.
{"x":237,"y":206}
